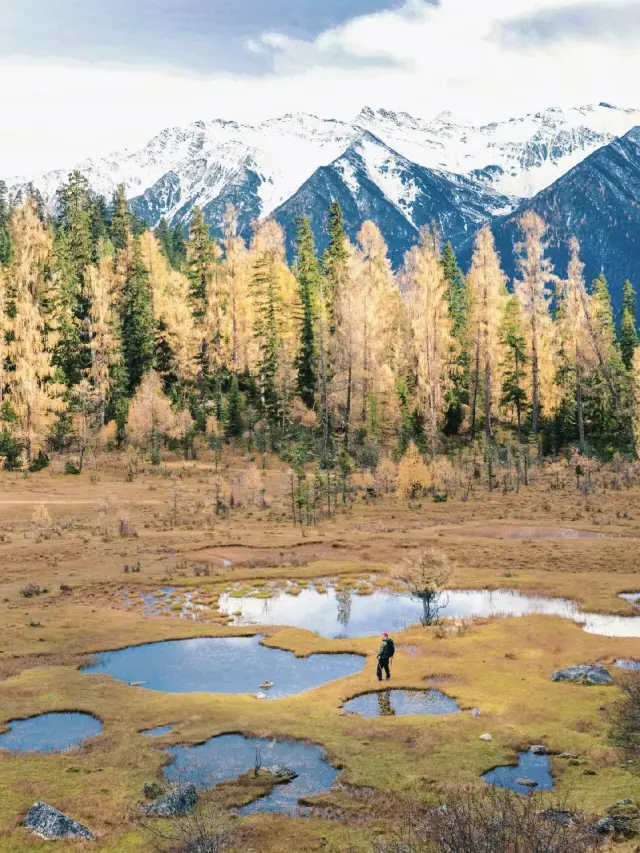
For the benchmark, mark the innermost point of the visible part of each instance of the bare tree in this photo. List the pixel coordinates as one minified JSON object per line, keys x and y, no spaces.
{"x":425,"y":574}
{"x":492,"y":820}
{"x":625,"y":720}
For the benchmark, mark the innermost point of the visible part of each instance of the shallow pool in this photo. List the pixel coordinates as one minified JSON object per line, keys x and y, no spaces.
{"x":534,"y":767}
{"x":229,"y":756}
{"x":344,"y":613}
{"x":56,"y":732}
{"x":222,"y":665}
{"x":159,"y":731}
{"x":398,"y":703}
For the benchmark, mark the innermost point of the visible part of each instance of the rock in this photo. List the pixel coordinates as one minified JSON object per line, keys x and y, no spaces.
{"x":261,"y":695}
{"x":558,"y":816}
{"x":584,"y":674}
{"x":52,"y":825}
{"x":539,"y":749}
{"x":285,"y":774}
{"x":621,"y":803}
{"x":568,"y":755}
{"x":613,"y":826}
{"x":180,"y":801}
{"x":476,"y":713}
{"x":267,"y":685}
{"x":527,"y":783}
{"x":486,"y":737}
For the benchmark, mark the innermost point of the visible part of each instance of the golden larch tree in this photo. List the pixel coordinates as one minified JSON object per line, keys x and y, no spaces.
{"x":428,"y":308}
{"x":238,"y":317}
{"x":175,"y":323}
{"x":33,"y":392}
{"x":487,"y":289}
{"x":102,"y":289}
{"x":536,"y":274}
{"x":574,"y":341}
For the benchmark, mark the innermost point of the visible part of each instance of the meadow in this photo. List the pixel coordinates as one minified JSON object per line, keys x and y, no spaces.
{"x":77,"y":553}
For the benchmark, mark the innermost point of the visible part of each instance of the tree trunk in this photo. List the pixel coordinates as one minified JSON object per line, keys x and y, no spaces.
{"x":535,"y":373}
{"x":581,"y":439}
{"x":347,"y":414}
{"x":518,"y":401}
{"x":474,"y":403}
{"x":487,"y":403}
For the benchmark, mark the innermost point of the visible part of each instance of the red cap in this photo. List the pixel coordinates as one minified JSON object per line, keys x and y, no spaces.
{"x":384,"y":634}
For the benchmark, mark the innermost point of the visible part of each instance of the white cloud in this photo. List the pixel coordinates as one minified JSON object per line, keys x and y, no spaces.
{"x":422,"y":58}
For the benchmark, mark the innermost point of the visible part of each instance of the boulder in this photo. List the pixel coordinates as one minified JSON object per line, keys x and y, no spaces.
{"x":539,"y":749}
{"x":179,"y":801}
{"x":486,"y":737}
{"x":584,"y":674}
{"x":52,"y":825}
{"x":527,"y":783}
{"x":613,"y":826}
{"x":284,"y":774}
{"x":559,"y":816}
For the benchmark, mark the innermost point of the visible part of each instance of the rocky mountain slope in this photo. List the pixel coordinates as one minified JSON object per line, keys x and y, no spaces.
{"x":598,"y":201}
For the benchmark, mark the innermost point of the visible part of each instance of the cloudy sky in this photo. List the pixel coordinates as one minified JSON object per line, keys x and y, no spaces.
{"x":85,"y":77}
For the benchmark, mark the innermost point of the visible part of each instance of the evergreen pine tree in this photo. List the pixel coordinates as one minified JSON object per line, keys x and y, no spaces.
{"x":98,"y":226}
{"x":74,"y":217}
{"x":120,"y":226}
{"x":628,"y":325}
{"x":201,"y":260}
{"x":165,"y":237}
{"x":335,"y":256}
{"x":179,"y":246}
{"x":234,"y":423}
{"x":72,"y":352}
{"x":515,"y":349}
{"x":5,"y":226}
{"x":458,"y":394}
{"x":138,"y":342}
{"x":308,"y":274}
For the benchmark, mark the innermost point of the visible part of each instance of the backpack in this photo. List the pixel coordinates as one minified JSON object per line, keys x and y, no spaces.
{"x":391,"y":647}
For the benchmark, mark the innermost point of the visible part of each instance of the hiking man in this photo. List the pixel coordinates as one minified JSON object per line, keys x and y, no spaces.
{"x":386,"y":651}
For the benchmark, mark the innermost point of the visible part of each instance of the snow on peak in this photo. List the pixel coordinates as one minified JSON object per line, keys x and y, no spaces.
{"x":517,"y":157}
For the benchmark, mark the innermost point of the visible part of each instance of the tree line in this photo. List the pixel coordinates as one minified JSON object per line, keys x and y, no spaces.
{"x":111,"y":333}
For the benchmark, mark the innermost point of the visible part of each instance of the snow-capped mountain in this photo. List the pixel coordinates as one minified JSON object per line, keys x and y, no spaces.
{"x":402,"y":171}
{"x":518,"y":157}
{"x":597,"y":202}
{"x":372,"y":181}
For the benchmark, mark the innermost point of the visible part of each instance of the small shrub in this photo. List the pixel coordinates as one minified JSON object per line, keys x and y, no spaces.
{"x":33,"y":623}
{"x":126,"y":530}
{"x":39,"y":462}
{"x":31,"y":590}
{"x":72,"y":469}
{"x":153,"y":790}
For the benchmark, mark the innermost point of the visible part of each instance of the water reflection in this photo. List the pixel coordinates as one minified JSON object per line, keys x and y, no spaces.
{"x":229,"y":756}
{"x":50,"y":732}
{"x":222,"y":665}
{"x":391,"y":703}
{"x":339,"y":613}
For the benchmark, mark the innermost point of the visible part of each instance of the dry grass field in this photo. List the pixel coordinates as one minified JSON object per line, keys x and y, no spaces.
{"x":78,"y":538}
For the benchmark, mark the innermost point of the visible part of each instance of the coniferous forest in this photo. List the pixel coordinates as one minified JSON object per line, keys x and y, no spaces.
{"x":113,"y":334}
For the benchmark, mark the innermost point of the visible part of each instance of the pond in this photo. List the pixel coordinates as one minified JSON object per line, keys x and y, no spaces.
{"x":222,"y":665}
{"x":399,"y":703}
{"x":56,"y":732}
{"x":159,"y":731}
{"x":228,"y":756}
{"x":628,"y":664}
{"x":344,"y":613}
{"x":536,"y":768}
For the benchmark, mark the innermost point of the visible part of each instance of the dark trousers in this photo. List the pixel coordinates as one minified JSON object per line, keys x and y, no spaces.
{"x":383,"y":664}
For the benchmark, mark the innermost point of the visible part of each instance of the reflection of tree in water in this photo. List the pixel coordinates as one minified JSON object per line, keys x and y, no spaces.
{"x":343,"y":602}
{"x":385,"y":709}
